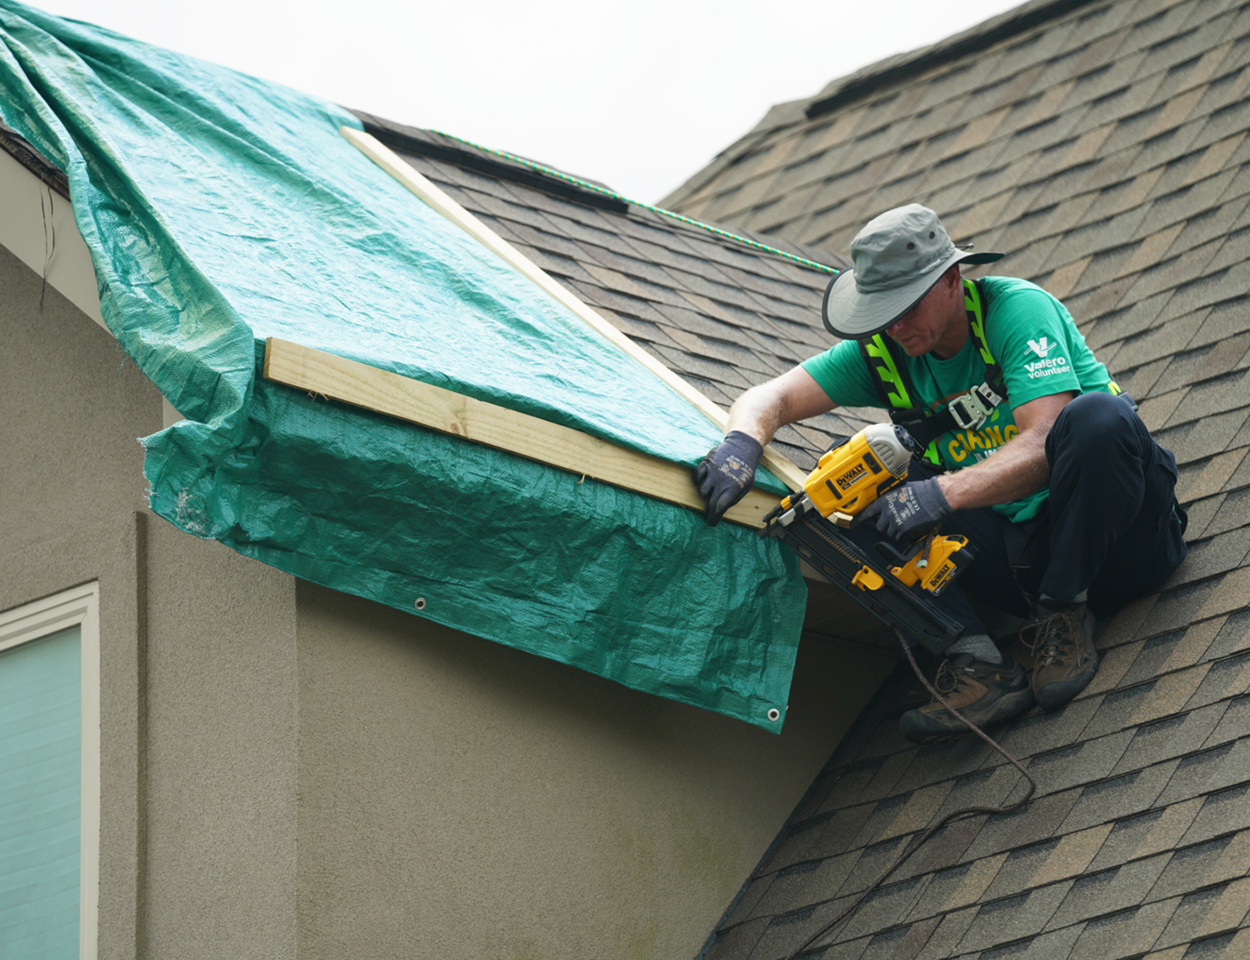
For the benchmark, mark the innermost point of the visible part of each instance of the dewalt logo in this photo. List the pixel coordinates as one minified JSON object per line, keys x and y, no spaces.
{"x":847,"y":479}
{"x":938,"y":581}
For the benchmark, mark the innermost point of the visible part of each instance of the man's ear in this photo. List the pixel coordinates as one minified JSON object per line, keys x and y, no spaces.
{"x":952,"y":284}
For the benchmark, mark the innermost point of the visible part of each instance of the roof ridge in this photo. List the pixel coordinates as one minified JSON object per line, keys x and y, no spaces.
{"x":903,"y":65}
{"x":890,"y":69}
{"x":441,"y":146}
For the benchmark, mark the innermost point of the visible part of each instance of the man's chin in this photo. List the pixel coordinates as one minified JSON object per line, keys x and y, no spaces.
{"x":914,"y":347}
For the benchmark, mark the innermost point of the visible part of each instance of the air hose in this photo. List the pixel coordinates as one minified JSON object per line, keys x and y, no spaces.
{"x":960,"y":814}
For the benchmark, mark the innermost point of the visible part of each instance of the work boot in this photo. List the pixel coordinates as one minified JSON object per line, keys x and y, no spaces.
{"x":1064,"y":658}
{"x":985,"y":693}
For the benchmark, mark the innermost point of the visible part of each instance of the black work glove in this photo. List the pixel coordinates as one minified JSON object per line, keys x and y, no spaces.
{"x":908,"y":511}
{"x":726,"y":473}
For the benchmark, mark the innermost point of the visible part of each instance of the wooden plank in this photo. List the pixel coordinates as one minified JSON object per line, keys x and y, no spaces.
{"x":579,"y":453}
{"x":413,"y":180}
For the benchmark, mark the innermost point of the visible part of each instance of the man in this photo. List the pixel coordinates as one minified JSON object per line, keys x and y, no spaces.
{"x":1030,"y":451}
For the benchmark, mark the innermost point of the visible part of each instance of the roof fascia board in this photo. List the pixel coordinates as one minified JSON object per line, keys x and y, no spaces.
{"x":981,"y":37}
{"x":581,"y":454}
{"x":34,"y":161}
{"x":37,"y":225}
{"x":410,"y":178}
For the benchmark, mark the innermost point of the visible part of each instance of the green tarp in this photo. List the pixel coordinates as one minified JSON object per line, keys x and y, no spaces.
{"x":220,"y":210}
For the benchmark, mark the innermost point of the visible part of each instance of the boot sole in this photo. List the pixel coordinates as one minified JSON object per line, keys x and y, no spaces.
{"x":1055,"y":694}
{"x":921,"y":728}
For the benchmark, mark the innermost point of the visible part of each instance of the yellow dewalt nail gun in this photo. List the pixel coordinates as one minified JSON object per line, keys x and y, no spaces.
{"x":847,"y":479}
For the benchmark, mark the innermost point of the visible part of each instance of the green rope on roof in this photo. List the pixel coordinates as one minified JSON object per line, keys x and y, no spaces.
{"x":585,"y":185}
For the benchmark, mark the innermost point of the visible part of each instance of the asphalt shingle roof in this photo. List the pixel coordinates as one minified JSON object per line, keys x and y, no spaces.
{"x":1103,"y":147}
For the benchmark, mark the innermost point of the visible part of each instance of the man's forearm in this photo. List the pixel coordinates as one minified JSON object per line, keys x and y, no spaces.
{"x":765,"y":409}
{"x":1016,"y":470}
{"x":758,"y":413}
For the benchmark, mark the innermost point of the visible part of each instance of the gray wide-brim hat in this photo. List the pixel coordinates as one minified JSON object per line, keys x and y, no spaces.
{"x":898,"y":258}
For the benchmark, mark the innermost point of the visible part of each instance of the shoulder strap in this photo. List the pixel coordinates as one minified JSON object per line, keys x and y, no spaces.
{"x":888,"y":375}
{"x":895,"y":391}
{"x":890,"y":379}
{"x":977,"y":306}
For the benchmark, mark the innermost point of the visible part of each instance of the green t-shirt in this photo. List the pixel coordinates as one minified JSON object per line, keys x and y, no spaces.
{"x":1037,"y":345}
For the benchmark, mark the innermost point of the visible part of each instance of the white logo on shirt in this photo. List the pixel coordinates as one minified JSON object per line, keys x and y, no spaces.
{"x":1041,"y":347}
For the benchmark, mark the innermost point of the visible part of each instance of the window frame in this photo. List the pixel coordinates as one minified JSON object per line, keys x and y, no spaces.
{"x":77,"y":607}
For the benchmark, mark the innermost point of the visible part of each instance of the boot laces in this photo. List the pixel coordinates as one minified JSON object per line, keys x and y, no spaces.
{"x":948,"y":679}
{"x":1051,"y":636}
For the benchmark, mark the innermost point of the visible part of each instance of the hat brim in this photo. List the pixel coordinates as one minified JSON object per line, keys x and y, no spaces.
{"x":853,"y":315}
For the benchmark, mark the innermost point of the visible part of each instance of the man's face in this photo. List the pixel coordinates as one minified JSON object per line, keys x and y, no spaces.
{"x":936,"y":324}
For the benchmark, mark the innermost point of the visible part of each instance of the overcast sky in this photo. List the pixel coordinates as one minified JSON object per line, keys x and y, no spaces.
{"x":637,"y":95}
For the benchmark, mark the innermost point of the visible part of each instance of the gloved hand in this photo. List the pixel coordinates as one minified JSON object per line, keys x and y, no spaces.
{"x":906,"y":512}
{"x":725,"y":474}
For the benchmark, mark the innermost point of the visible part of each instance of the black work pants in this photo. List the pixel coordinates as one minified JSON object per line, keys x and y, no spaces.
{"x":1110,"y":530}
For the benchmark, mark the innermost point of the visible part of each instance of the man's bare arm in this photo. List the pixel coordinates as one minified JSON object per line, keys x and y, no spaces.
{"x":1018,"y":468}
{"x":765,"y":409}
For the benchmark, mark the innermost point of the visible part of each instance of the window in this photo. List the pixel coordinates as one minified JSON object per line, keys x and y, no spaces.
{"x":50,"y":777}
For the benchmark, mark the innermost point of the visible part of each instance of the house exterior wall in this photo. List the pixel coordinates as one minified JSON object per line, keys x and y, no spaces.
{"x":197,"y":648}
{"x":484,"y":802}
{"x":292,"y":772}
{"x":69,"y":497}
{"x":221,"y":753}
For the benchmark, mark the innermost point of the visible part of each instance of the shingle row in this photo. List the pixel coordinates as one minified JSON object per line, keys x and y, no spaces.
{"x":1144,"y":797}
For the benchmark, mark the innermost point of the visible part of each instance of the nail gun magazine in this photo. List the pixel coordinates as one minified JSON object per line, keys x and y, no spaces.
{"x":813,"y":520}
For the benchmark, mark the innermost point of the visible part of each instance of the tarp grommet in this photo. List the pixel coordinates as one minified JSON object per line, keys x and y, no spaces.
{"x":420,"y":603}
{"x":774,"y":714}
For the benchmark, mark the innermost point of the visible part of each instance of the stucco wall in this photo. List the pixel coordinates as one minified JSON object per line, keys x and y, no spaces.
{"x":69,"y":492}
{"x":221,"y":753}
{"x":462,"y":799}
{"x":197,"y":647}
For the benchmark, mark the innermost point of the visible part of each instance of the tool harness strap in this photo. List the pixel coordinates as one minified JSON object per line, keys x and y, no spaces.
{"x":966,"y":411}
